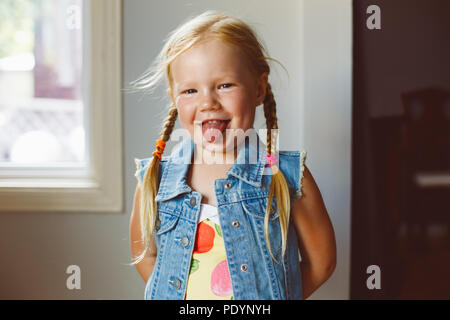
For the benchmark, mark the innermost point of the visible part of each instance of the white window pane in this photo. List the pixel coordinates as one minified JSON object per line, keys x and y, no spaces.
{"x":41,"y":103}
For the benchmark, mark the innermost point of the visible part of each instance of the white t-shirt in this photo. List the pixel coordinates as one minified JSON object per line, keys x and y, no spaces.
{"x":208,"y":211}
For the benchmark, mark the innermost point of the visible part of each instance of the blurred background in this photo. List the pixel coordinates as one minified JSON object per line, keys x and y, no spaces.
{"x":40,"y":83}
{"x":370,"y":106}
{"x":401,"y":150}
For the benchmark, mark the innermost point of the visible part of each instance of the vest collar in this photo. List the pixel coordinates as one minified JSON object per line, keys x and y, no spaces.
{"x":248,"y":167}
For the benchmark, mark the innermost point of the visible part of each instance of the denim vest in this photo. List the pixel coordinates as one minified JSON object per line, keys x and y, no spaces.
{"x":241,"y":199}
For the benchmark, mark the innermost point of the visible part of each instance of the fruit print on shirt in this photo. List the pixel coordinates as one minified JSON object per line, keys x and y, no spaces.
{"x":209,"y":277}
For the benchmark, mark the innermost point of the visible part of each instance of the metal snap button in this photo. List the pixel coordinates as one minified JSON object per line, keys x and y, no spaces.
{"x":176,"y":284}
{"x":228,"y":185}
{"x":157,"y":224}
{"x":193,"y":201}
{"x":244,"y":267}
{"x":235,"y":224}
{"x":185,"y":241}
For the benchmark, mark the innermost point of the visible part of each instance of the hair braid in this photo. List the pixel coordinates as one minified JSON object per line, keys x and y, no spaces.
{"x":150,"y":186}
{"x":278,"y":185}
{"x":169,"y":123}
{"x":270,"y":114}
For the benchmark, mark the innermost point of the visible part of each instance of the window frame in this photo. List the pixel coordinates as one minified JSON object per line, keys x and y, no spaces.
{"x":97,"y":186}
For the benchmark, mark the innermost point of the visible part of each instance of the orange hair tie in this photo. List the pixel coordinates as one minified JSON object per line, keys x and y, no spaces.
{"x":160,"y":145}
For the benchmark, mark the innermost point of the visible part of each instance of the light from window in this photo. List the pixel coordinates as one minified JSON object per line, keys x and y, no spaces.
{"x":41,"y":101}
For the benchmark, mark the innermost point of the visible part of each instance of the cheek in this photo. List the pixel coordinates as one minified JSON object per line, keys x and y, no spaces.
{"x":186,"y":113}
{"x":242,"y":107}
{"x":236,"y":103}
{"x":186,"y":117}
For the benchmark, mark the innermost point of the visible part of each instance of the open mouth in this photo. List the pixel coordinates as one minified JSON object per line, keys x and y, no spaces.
{"x":212,"y":129}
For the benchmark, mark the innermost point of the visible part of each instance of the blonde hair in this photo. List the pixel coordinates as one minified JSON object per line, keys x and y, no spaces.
{"x":234,"y":31}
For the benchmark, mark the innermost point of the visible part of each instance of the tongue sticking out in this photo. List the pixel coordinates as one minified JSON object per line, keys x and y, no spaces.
{"x":212,"y":131}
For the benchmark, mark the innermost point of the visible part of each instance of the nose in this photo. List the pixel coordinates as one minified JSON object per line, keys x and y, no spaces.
{"x":208,"y":101}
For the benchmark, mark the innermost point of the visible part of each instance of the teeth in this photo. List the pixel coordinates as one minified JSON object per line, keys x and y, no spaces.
{"x":215,"y":121}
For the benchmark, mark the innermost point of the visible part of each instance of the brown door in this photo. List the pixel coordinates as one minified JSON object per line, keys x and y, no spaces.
{"x":401,"y":149}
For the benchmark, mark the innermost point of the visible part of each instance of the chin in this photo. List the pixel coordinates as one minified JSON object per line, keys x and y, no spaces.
{"x":219,"y":146}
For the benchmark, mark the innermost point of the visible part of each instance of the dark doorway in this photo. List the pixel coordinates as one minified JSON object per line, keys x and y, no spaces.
{"x":401,"y":150}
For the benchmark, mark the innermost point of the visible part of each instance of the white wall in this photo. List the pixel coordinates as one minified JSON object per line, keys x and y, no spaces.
{"x":327,"y":27}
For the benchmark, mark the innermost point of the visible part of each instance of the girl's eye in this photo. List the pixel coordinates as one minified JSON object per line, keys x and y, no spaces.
{"x":189,"y":91}
{"x":225,"y":85}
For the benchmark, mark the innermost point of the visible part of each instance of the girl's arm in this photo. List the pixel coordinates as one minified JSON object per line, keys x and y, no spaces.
{"x":315,"y":234}
{"x":145,"y":267}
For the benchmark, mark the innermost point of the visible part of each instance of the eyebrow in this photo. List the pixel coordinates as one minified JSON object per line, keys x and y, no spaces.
{"x":217,"y":79}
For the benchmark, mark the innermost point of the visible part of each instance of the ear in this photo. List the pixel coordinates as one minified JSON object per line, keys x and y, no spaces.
{"x":263,"y":79}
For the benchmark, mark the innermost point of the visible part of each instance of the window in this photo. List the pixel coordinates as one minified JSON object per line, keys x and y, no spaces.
{"x":60,"y":105}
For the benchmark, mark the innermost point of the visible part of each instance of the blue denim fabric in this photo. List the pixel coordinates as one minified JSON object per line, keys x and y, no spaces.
{"x":241,"y":196}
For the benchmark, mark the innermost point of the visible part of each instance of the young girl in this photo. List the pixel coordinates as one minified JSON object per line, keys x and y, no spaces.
{"x":229,"y":230}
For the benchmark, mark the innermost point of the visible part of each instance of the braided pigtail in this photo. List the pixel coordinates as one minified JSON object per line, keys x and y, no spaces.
{"x":150,"y":185}
{"x":278,"y":186}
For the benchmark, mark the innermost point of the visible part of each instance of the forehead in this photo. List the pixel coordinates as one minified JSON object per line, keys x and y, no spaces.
{"x":213,"y":56}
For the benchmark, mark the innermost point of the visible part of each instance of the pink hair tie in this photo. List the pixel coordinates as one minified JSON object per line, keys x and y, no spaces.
{"x":271,"y":159}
